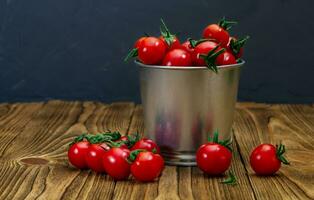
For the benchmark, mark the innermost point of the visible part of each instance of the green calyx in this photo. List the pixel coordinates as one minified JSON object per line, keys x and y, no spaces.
{"x":98,"y":138}
{"x":226,"y":143}
{"x":231,"y":180}
{"x":210,"y":58}
{"x":134,"y":154}
{"x":165,"y":33}
{"x":280,"y":150}
{"x":223,"y":23}
{"x":133,"y":53}
{"x":194,"y":43}
{"x":132,"y":139}
{"x":236,"y":45}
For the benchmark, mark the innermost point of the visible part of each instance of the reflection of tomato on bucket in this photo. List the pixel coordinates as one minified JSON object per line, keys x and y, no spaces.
{"x":167,"y":132}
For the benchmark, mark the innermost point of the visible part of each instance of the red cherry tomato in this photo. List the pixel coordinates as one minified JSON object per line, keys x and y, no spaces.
{"x":174,"y":45}
{"x":151,"y":50}
{"x":213,"y":159}
{"x":264,"y":159}
{"x":147,"y":166}
{"x":76,"y":154}
{"x":202,"y":48}
{"x":187,"y":46}
{"x":94,"y":157}
{"x":226,"y":58}
{"x":146,"y":144}
{"x":116,"y":164}
{"x":177,"y":57}
{"x":216,"y":32}
{"x":138,"y":42}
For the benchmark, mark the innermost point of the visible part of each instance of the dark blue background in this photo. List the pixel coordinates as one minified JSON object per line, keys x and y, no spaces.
{"x":73,"y":49}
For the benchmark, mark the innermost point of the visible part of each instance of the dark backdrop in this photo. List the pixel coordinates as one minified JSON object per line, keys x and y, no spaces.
{"x":73,"y":49}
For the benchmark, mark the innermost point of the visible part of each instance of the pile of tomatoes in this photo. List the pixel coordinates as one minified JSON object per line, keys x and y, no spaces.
{"x":216,"y":47}
{"x":118,"y":156}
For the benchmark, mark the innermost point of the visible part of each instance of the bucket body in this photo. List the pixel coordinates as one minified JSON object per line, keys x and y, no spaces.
{"x":184,"y":105}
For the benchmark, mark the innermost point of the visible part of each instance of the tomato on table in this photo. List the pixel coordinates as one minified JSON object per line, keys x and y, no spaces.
{"x":147,"y":166}
{"x":214,"y":157}
{"x":266,"y":159}
{"x":94,"y":157}
{"x":76,"y":154}
{"x":115,"y":163}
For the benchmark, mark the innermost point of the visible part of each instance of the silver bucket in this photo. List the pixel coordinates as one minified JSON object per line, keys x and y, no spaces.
{"x":183,"y":105}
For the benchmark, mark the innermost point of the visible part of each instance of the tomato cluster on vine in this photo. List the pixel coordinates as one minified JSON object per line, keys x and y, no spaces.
{"x":118,"y":156}
{"x":215,"y":48}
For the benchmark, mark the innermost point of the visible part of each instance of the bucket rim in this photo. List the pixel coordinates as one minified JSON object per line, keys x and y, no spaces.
{"x":221,"y":67}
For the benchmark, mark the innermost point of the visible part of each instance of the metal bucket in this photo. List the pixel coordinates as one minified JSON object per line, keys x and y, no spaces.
{"x":183,"y":105}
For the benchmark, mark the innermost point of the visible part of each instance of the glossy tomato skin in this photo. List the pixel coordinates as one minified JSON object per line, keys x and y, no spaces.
{"x":147,"y":166}
{"x":94,"y":157}
{"x":177,"y":57}
{"x":226,"y":58}
{"x":139,"y":41}
{"x":174,"y":45}
{"x":214,"y":31}
{"x":146,"y":144}
{"x":115,"y":163}
{"x":264,"y":160}
{"x":213,"y":159}
{"x":76,"y":154}
{"x":187,"y":47}
{"x":202,"y":48}
{"x":151,"y":51}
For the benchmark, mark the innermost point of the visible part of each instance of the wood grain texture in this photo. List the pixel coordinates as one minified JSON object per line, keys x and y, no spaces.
{"x":293,"y":125}
{"x":35,"y":136}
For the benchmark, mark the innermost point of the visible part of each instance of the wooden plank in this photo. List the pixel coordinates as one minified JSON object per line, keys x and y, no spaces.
{"x":294,"y":126}
{"x":34,"y":165}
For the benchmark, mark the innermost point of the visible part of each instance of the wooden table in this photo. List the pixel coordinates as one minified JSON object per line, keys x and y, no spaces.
{"x":35,"y":137}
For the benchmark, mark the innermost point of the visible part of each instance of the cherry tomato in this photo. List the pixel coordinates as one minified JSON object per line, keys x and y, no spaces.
{"x":116,"y":164}
{"x":202,"y":48}
{"x":187,"y":46}
{"x":174,"y":45}
{"x":151,"y":50}
{"x":147,"y":166}
{"x":138,"y":42}
{"x":177,"y":57}
{"x":226,"y":58}
{"x":94,"y":157}
{"x":146,"y":144}
{"x":216,"y":32}
{"x":213,"y":158}
{"x":76,"y":154}
{"x":266,"y":159}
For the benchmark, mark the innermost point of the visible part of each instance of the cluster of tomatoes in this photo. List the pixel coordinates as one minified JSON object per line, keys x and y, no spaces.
{"x":215,"y":48}
{"x":214,"y":157}
{"x":118,"y":156}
